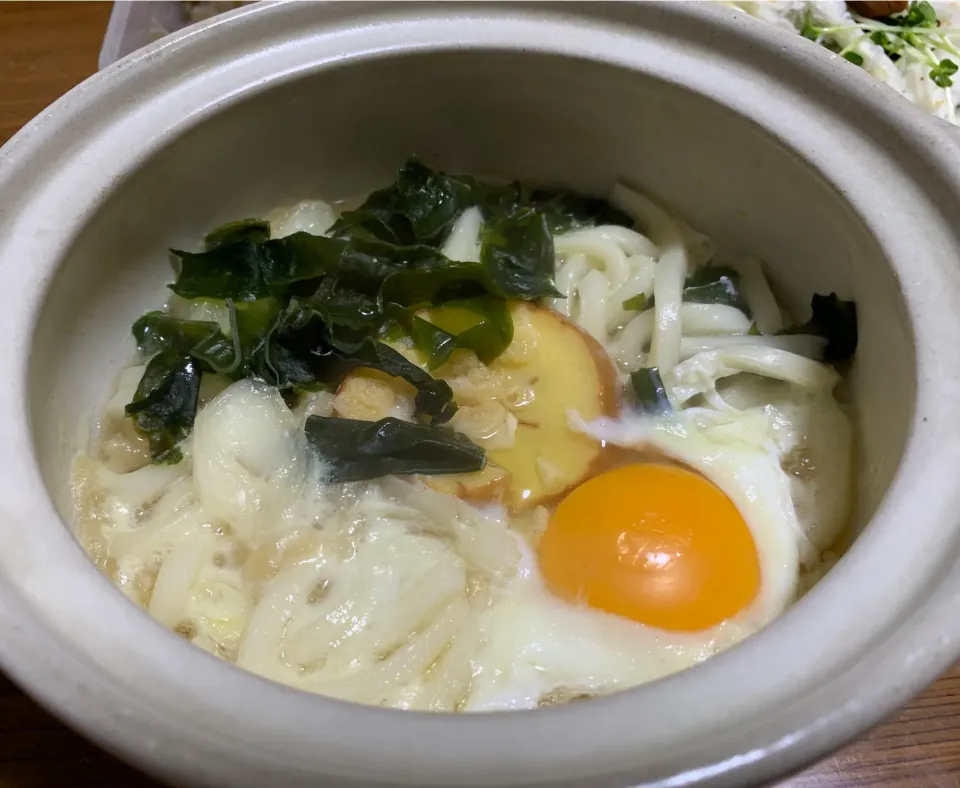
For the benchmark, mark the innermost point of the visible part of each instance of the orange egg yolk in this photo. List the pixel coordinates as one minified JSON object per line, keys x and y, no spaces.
{"x":654,"y":543}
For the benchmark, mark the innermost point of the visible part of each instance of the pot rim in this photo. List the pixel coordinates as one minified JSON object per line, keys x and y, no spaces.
{"x":737,"y":740}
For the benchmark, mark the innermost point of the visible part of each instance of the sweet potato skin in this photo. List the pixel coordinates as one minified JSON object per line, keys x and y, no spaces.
{"x":877,"y":9}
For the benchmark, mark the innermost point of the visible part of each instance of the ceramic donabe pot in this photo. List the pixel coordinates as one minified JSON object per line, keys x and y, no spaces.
{"x":758,"y":138}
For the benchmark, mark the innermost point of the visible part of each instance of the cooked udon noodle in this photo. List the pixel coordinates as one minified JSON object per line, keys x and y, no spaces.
{"x":387,"y":592}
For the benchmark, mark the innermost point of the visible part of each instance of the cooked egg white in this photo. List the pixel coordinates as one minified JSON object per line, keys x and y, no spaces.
{"x":539,"y":649}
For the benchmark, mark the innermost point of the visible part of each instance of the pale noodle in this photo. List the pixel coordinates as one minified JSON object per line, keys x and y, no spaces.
{"x":376,"y":592}
{"x":463,"y":243}
{"x":672,"y":270}
{"x":759,"y":297}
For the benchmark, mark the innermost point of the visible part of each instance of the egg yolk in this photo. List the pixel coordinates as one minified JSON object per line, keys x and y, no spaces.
{"x":654,"y":543}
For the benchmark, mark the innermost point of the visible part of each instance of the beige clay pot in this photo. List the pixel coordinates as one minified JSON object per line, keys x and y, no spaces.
{"x":761,"y":139}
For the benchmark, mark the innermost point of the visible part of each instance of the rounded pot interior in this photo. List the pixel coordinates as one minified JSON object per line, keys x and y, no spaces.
{"x":766,"y":183}
{"x":468,"y":112}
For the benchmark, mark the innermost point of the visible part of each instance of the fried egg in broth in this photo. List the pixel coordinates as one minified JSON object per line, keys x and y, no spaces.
{"x":541,"y":643}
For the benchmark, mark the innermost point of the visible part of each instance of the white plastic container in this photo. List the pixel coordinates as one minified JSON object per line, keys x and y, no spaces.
{"x":135,"y":24}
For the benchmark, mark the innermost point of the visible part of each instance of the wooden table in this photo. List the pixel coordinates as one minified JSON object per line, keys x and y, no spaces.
{"x":47,"y":48}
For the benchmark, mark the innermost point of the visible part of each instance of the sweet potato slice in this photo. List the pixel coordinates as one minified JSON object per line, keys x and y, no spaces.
{"x":516,"y":408}
{"x":562,"y":369}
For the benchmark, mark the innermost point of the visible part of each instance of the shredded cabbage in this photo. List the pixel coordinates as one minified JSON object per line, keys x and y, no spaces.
{"x":916,"y":56}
